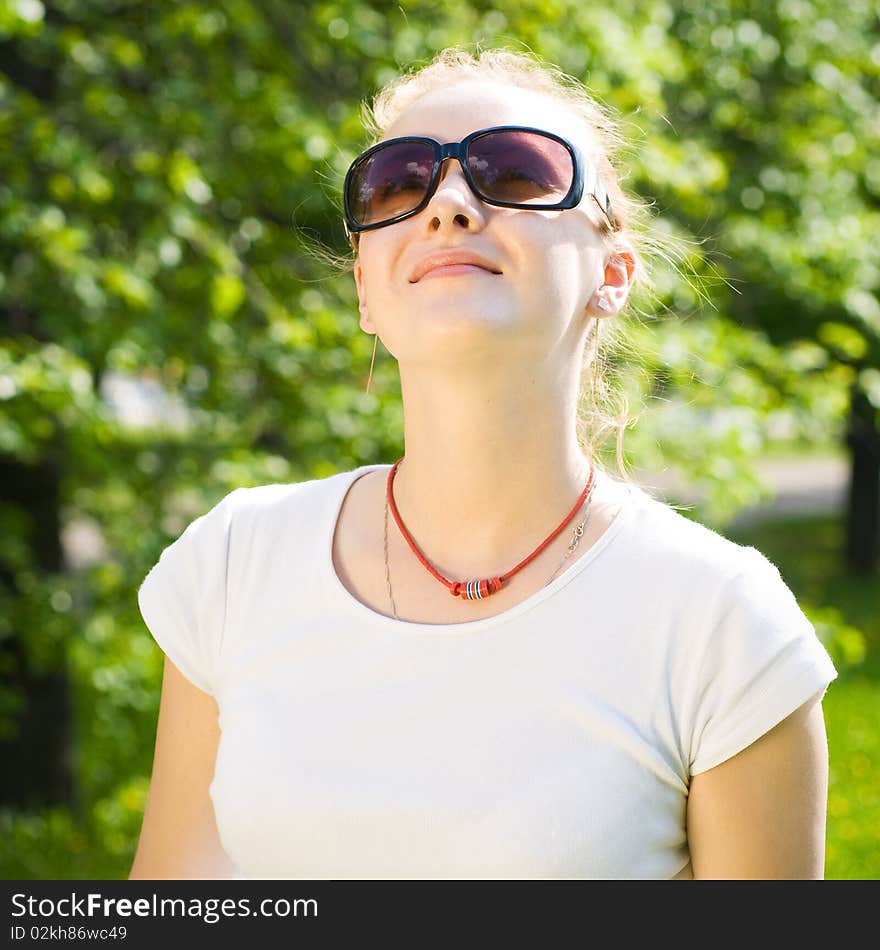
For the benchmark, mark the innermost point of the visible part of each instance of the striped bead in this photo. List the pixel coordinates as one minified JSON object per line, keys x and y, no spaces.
{"x":476,"y":589}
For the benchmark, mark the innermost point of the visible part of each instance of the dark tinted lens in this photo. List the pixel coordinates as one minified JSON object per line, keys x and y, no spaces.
{"x":391,"y":181}
{"x":523,"y":167}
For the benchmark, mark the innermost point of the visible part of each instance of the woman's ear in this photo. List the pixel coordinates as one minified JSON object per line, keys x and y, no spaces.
{"x":618,"y":276}
{"x":366,"y":323}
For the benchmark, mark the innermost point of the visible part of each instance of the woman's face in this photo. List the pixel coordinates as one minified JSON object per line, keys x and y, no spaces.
{"x":551,"y":262}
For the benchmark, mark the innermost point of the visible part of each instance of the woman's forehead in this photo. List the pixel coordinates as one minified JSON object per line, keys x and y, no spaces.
{"x":450,"y":113}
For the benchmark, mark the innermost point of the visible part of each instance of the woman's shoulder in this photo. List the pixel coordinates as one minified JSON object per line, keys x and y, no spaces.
{"x":273,"y":495}
{"x":667,"y":540}
{"x":261,"y":511}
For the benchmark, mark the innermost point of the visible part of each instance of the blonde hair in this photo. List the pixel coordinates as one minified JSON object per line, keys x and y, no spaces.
{"x":596,"y":417}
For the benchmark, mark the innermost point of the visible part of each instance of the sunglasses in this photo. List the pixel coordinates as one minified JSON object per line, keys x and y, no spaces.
{"x":509,"y":166}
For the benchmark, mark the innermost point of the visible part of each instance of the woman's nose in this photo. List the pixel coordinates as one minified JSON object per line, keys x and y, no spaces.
{"x":454,"y":201}
{"x":451,"y":172}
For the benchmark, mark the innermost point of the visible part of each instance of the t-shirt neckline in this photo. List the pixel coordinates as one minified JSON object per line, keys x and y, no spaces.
{"x":365,"y":613}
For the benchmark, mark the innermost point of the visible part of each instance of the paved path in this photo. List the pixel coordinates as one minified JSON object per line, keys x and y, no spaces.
{"x":809,"y":485}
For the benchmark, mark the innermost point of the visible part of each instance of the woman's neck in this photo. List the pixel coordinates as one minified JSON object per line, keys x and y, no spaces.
{"x":481,"y":485}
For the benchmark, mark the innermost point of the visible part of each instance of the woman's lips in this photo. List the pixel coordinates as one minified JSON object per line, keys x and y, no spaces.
{"x":454,"y":270}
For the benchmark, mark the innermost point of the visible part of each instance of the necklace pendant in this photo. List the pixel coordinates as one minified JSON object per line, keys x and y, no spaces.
{"x":476,"y":589}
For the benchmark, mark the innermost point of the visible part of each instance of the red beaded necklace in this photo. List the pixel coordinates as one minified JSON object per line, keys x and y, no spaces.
{"x":478,"y":589}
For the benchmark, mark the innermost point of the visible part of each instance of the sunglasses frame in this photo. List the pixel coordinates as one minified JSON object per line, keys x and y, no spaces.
{"x":581,"y":168}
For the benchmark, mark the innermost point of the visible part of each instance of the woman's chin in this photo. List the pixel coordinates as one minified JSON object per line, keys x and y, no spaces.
{"x":474,"y":314}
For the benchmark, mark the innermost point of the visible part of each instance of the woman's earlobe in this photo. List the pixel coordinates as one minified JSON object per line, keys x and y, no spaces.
{"x":366,"y":324}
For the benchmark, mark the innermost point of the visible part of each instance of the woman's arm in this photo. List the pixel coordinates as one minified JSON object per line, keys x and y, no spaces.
{"x":761,"y":814}
{"x":179,"y":836}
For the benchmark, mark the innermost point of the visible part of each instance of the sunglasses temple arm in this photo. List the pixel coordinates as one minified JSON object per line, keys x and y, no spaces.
{"x":604,"y":202}
{"x":597,"y":189}
{"x":351,"y":236}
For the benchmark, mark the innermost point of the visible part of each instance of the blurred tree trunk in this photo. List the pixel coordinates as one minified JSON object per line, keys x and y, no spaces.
{"x":863,"y":502}
{"x":36,"y":746}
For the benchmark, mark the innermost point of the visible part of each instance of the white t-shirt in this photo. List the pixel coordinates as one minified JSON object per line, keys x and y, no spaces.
{"x":553,"y":740}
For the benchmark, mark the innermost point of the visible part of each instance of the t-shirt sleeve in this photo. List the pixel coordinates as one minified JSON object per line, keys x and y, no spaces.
{"x":762,"y":661}
{"x":183,"y":597}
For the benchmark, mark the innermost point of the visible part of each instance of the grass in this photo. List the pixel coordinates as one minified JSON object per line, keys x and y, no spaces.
{"x":851,"y":716}
{"x":807,"y":552}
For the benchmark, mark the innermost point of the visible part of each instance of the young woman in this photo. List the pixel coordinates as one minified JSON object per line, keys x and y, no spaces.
{"x":611,"y":691}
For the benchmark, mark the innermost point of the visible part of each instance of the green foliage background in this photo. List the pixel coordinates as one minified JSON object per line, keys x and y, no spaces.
{"x":165,"y":170}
